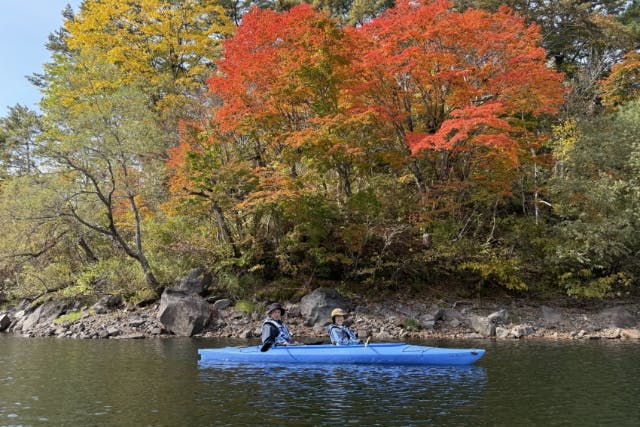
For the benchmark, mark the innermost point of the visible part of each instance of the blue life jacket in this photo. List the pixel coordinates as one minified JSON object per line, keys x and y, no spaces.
{"x":283,"y":337}
{"x":341,"y":335}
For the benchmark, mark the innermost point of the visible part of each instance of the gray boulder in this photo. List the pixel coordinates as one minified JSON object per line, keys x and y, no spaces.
{"x":450,"y":314}
{"x":430,"y":316}
{"x":619,"y":317}
{"x":221,"y":304}
{"x":196,"y":282}
{"x":316,"y":307}
{"x":44,"y":315}
{"x":551,"y":316}
{"x":435,"y":312}
{"x":106,"y":304}
{"x":483,"y":325}
{"x":499,"y":317}
{"x":5,"y":321}
{"x":520,"y":331}
{"x":183,"y":313}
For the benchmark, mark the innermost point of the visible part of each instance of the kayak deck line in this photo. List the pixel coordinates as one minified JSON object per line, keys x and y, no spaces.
{"x":380,"y":353}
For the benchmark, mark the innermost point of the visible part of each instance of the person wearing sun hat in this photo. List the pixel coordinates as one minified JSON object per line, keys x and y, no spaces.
{"x":340,"y":334}
{"x":274,"y":331}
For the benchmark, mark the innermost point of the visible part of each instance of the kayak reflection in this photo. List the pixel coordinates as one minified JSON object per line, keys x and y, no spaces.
{"x":320,"y":394}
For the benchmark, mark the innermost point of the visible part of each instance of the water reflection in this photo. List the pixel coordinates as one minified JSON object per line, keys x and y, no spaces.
{"x":333,"y":394}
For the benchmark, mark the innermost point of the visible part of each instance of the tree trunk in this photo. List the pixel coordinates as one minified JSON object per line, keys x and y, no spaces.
{"x":224,"y":228}
{"x":418,"y":177}
{"x":91,"y":257}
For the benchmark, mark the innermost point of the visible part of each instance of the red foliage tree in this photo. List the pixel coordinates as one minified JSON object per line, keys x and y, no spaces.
{"x":455,"y":85}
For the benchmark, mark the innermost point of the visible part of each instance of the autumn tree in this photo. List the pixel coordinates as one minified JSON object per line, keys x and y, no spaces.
{"x":623,"y":84}
{"x":283,"y":85}
{"x":582,"y":38}
{"x":455,"y":87}
{"x":169,"y":45}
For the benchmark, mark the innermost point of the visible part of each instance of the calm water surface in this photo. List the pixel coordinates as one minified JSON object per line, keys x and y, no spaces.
{"x":60,"y":382}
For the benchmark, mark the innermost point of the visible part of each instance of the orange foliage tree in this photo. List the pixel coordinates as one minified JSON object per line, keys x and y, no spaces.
{"x":455,"y":85}
{"x":282,"y":80}
{"x":623,"y":84}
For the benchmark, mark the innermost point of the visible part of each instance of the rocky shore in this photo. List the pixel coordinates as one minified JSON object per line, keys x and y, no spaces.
{"x":182,"y":313}
{"x":463,"y":320}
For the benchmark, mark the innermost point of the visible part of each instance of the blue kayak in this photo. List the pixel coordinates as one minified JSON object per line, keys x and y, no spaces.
{"x":385,"y":353}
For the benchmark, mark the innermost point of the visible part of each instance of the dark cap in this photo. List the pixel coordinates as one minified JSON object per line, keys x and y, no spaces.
{"x":275,"y":306}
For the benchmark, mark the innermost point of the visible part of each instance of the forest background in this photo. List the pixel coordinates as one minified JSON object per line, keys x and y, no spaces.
{"x":415,"y":147}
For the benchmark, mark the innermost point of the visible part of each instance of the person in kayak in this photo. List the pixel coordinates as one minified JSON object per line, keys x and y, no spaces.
{"x":274,"y":331}
{"x":340,"y":334}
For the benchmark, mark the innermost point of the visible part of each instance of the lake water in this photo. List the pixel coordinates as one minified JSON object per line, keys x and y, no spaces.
{"x":62,"y":382}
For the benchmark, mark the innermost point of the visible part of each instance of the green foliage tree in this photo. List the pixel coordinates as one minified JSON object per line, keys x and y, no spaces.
{"x":30,"y":236}
{"x":18,"y":133}
{"x":362,"y":11}
{"x":29,"y":232}
{"x":106,"y":146}
{"x":596,"y":195}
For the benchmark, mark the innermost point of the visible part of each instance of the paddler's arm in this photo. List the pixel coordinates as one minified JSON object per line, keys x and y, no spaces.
{"x":269,"y":334}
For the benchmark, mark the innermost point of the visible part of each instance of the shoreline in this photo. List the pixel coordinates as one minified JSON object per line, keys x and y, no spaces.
{"x":397,"y":321}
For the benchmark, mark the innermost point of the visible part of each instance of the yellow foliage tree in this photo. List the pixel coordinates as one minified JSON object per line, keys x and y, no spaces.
{"x":170,"y":45}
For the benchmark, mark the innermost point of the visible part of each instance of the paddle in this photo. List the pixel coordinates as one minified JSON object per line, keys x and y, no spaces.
{"x":267,"y":345}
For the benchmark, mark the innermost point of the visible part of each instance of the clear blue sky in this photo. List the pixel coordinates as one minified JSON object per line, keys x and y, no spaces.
{"x":25,"y":26}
